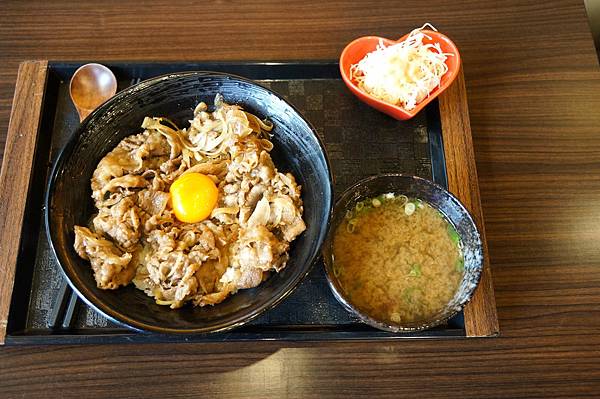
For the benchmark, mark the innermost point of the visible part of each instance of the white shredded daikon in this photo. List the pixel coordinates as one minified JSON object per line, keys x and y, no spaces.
{"x":404,"y":73}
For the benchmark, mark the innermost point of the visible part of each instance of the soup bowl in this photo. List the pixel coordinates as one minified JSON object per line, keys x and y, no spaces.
{"x":441,"y":200}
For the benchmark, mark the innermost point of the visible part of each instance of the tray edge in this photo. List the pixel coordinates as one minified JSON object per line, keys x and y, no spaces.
{"x":481,"y":316}
{"x":16,"y":172}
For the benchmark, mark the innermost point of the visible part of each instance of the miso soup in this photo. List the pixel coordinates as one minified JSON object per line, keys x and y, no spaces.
{"x":397,"y":259}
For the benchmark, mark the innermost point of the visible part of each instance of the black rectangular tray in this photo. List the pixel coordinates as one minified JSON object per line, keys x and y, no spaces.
{"x":359,"y":140}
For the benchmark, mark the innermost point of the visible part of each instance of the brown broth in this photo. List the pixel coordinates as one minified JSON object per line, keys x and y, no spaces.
{"x":395,"y":267}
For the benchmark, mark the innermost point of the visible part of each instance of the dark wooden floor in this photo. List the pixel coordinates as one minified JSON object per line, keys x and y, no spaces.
{"x":534,"y":93}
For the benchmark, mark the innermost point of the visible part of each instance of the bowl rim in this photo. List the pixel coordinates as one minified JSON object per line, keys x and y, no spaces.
{"x":336,"y":288}
{"x":395,"y":109}
{"x":131,"y":323}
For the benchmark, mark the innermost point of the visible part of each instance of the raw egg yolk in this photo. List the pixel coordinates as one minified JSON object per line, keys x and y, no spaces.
{"x":193,"y":197}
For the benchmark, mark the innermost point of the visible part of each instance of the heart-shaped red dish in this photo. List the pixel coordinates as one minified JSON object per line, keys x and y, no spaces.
{"x":359,"y":48}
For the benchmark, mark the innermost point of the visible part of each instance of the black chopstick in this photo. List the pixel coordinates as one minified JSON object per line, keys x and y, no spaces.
{"x":58,"y":310}
{"x":67,"y":323}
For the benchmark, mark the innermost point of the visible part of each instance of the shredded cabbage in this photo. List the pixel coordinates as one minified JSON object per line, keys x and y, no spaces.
{"x":402,"y":74}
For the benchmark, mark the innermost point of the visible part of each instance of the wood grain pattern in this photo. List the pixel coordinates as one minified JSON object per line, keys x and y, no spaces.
{"x":14,"y":179}
{"x":481,"y":318}
{"x":533,"y":86}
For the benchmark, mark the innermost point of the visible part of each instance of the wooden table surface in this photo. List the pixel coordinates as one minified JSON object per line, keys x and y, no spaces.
{"x":534,"y":96}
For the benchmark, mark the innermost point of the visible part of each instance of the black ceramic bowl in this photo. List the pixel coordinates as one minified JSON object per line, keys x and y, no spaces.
{"x":437,"y":197}
{"x":68,"y":199}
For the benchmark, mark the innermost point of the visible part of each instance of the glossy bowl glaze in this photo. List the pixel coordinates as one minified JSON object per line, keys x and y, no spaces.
{"x":359,"y":48}
{"x":443,"y":201}
{"x":297,"y":149}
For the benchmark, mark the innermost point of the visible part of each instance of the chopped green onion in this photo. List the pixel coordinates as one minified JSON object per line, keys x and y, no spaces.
{"x":351,"y":226}
{"x":402,"y":198}
{"x":336,"y":270}
{"x":408,"y":294}
{"x":360,"y":206}
{"x":376,"y":202}
{"x":349,"y":215}
{"x":453,"y":234}
{"x":460,"y":265}
{"x":409,"y":208}
{"x":415,"y":271}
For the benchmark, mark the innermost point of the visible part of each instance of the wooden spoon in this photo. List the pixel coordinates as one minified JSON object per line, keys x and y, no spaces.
{"x":91,"y":85}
